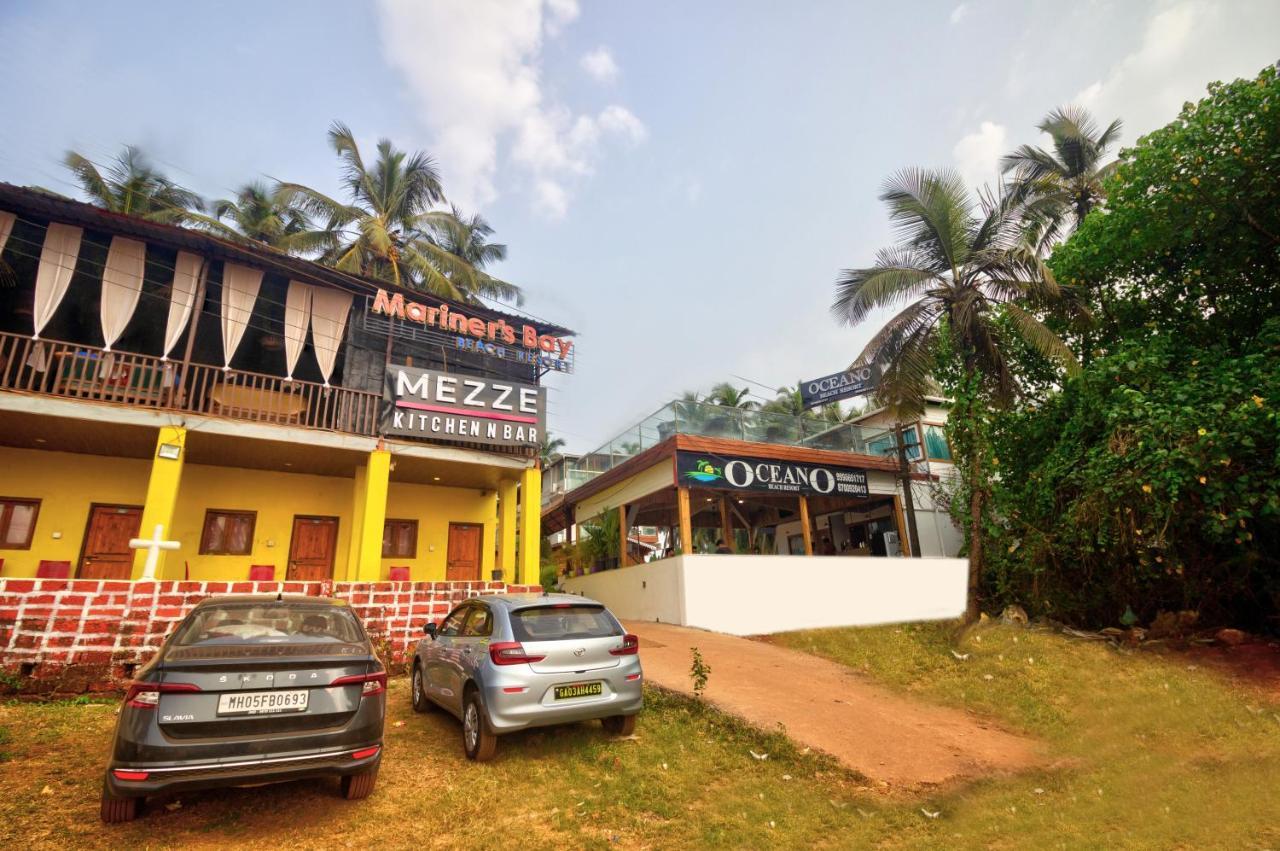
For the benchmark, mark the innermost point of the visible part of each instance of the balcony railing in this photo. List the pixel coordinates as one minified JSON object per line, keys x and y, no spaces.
{"x":75,"y":371}
{"x":701,"y":418}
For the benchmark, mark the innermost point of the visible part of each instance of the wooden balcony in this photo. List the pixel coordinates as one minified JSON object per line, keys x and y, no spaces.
{"x":91,"y":374}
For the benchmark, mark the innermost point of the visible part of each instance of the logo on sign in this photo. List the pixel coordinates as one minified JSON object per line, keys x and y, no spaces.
{"x":705,"y":472}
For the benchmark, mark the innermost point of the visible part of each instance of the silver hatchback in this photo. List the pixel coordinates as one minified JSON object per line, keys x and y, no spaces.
{"x":509,"y":662}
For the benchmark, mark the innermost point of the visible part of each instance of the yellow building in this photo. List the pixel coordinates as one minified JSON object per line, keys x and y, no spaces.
{"x":261,"y":415}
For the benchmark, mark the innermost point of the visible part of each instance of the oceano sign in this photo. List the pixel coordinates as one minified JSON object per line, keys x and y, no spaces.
{"x":764,"y":475}
{"x":840,"y":385}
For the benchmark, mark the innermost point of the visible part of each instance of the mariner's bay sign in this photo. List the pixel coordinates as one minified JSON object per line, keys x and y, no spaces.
{"x":739,"y":473}
{"x":433,"y":405}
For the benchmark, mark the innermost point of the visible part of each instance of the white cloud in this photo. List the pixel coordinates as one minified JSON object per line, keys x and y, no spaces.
{"x":474,"y":71}
{"x":959,"y":13}
{"x":550,"y":199}
{"x":1185,"y":45}
{"x":600,"y":65}
{"x":620,"y":120}
{"x":978,"y":154}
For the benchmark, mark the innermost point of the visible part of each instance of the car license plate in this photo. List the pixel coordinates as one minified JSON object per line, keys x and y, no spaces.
{"x":579,"y":690}
{"x":263,"y":702}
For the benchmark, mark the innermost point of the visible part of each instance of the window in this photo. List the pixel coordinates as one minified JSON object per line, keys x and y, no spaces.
{"x":563,"y":622}
{"x":935,"y":443}
{"x":17,"y":522}
{"x":453,"y":624}
{"x":885,"y":444}
{"x":400,"y":539}
{"x":227,"y":533}
{"x":268,"y":623}
{"x":480,"y":624}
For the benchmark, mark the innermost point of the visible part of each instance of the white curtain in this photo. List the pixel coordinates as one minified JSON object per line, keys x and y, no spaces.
{"x":239,"y":291}
{"x":121,"y":286}
{"x":329,"y":309}
{"x":53,"y":276}
{"x":6,"y":227}
{"x":188,"y":272}
{"x":297,"y":316}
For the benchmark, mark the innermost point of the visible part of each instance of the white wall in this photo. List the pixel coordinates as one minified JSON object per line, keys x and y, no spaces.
{"x":642,"y":592}
{"x":756,"y":594}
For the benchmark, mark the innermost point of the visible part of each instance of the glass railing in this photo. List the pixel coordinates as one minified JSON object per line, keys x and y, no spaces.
{"x":704,"y":419}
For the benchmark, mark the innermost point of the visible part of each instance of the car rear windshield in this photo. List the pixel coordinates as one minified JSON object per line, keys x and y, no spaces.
{"x":268,"y":623}
{"x":564,"y":621}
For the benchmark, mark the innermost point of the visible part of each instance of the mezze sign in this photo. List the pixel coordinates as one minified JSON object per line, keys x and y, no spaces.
{"x":738,"y":473}
{"x":855,"y":381}
{"x":433,"y":405}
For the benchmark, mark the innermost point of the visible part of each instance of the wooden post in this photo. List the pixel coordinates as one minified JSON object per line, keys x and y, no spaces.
{"x":686,"y":524}
{"x":804,"y":525}
{"x":623,"y":531}
{"x":726,"y":525}
{"x":903,"y":541}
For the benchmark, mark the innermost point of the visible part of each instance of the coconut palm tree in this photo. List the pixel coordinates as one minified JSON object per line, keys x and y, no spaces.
{"x":549,"y":448}
{"x":960,"y":284}
{"x":391,"y":228}
{"x":726,"y":395}
{"x":1068,"y":180}
{"x":467,"y":237}
{"x":133,"y":186}
{"x":257,"y":213}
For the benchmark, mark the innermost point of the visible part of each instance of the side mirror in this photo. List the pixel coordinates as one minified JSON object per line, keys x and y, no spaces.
{"x":430,"y":629}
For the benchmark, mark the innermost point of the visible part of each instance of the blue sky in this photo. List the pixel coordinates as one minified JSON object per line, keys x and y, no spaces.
{"x":680,"y":183}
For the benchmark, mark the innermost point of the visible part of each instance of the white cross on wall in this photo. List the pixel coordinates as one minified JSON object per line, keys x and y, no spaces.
{"x":153,"y":545}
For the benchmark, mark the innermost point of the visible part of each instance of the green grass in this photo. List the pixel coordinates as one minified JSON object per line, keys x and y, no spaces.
{"x":1146,"y":750}
{"x":1143,"y":753}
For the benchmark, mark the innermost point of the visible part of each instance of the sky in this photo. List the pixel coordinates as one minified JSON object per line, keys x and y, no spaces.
{"x":680,"y":183}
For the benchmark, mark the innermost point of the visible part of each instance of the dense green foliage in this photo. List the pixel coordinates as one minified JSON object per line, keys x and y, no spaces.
{"x":1152,"y":479}
{"x":1149,"y":482}
{"x":1190,"y":238}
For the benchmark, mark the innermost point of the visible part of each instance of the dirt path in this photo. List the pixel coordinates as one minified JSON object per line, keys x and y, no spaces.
{"x":824,"y":705}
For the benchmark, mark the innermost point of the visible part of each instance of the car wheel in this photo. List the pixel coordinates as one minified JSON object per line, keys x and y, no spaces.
{"x":116,"y":810}
{"x":619,"y":725}
{"x":418,"y":687}
{"x":357,"y":786}
{"x":477,"y":739}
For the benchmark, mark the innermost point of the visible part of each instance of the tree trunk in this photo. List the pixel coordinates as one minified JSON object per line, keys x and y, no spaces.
{"x":973,"y":610}
{"x":908,"y":498}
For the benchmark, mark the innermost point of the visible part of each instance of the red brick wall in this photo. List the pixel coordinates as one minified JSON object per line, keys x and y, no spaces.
{"x":69,"y":636}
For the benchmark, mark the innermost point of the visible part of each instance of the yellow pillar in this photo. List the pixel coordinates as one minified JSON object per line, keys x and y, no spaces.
{"x":508,"y":500}
{"x":358,"y":488}
{"x":373,"y":510}
{"x":530,"y":527}
{"x":162,"y":496}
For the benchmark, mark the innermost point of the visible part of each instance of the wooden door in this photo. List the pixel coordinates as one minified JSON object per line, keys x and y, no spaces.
{"x":106,"y":553}
{"x":465,"y":542}
{"x":315,"y":540}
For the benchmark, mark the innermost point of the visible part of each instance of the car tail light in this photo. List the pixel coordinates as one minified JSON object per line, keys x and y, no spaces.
{"x":511,"y":653}
{"x":514,"y":689}
{"x":630,"y":646}
{"x":366,"y":753}
{"x":370,"y":684}
{"x":124,"y":774}
{"x":147,"y":695}
{"x":632,"y":677}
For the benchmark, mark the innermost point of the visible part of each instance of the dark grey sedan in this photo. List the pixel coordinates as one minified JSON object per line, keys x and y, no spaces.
{"x":251,"y":690}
